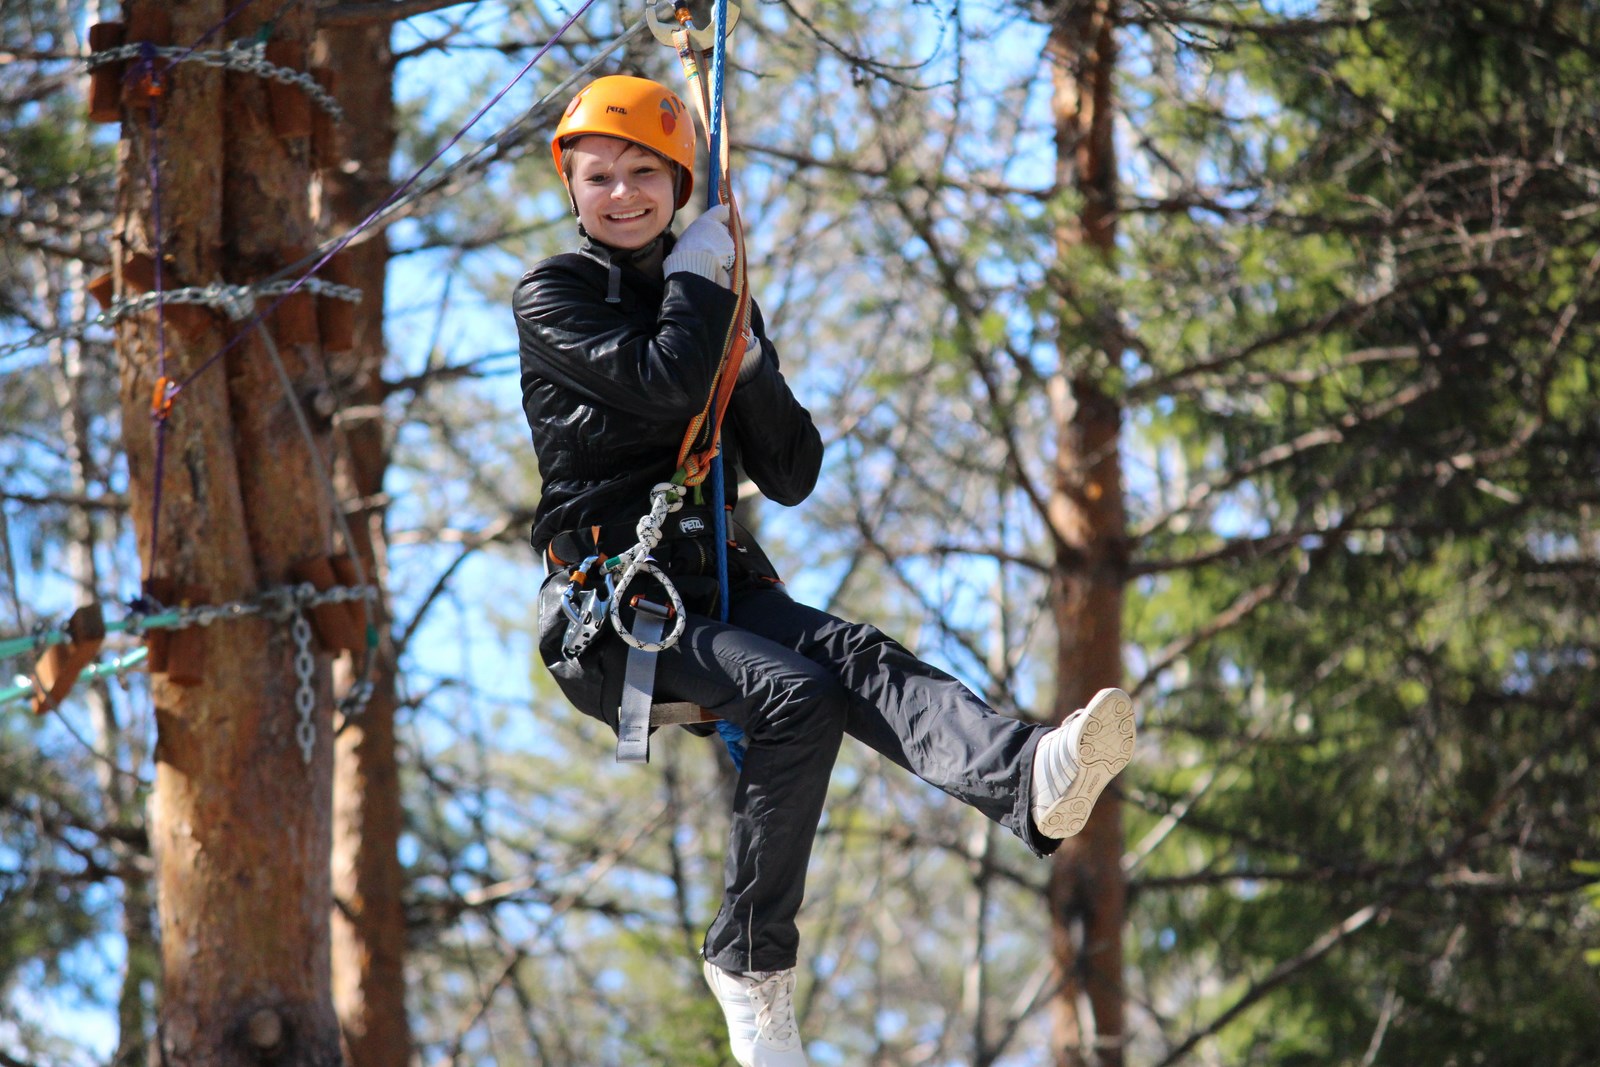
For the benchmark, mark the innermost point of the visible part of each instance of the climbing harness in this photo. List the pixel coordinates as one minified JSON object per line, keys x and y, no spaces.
{"x":595,"y":594}
{"x":587,"y":607}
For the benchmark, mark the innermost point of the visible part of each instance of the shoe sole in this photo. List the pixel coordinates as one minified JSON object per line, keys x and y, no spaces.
{"x":1104,"y":747}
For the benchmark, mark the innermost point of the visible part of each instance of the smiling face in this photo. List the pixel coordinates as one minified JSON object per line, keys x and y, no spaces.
{"x":624,"y":193}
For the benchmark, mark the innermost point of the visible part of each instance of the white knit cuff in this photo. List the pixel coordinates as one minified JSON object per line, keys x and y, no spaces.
{"x":706,"y":264}
{"x":750,"y":366}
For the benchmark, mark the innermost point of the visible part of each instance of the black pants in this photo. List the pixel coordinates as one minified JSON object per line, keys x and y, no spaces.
{"x":797,"y":679}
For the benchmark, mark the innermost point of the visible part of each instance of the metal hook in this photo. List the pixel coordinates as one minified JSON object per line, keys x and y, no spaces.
{"x":663,"y":20}
{"x":585,"y":608}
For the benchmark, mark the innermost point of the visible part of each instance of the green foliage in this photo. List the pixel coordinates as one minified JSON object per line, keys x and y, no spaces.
{"x":1397,"y":429}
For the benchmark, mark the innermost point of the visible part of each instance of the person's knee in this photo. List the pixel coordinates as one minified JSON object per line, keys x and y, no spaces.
{"x":806,"y":707}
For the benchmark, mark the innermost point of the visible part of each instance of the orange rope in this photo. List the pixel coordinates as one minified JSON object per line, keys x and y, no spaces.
{"x":703,"y":439}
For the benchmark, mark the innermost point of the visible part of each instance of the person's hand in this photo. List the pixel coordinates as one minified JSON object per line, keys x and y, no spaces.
{"x":706,"y":248}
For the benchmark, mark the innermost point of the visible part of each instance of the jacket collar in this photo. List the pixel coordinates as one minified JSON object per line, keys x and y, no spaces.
{"x":645,"y":261}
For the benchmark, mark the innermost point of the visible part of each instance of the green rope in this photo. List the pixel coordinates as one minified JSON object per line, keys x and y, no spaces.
{"x":98,"y":670}
{"x":16,"y":646}
{"x":291,"y":598}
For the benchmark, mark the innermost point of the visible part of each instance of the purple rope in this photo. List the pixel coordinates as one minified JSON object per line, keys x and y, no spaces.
{"x":147,"y":66}
{"x":213,"y":31}
{"x":399,"y":190}
{"x":159,"y":413}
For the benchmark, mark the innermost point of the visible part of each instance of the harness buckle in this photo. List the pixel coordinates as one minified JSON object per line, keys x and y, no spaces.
{"x":585,"y":608}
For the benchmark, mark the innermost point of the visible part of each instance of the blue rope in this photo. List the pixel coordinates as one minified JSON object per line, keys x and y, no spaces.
{"x":732,"y":736}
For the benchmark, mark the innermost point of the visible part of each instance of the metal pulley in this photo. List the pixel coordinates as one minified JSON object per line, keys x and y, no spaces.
{"x":585,"y":606}
{"x":662,"y":15}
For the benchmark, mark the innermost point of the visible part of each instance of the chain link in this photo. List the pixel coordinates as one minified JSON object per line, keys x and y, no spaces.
{"x":280,"y":603}
{"x":245,"y":58}
{"x":305,"y":697}
{"x":42,"y":632}
{"x":285,"y":603}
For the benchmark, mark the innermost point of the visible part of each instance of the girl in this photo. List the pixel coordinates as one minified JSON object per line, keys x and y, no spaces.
{"x":619,"y":342}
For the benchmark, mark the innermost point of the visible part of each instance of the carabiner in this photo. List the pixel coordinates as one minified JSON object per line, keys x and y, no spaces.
{"x":585,"y":608}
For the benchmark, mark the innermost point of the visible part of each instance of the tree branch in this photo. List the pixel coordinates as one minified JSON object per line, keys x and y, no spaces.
{"x":350,"y":15}
{"x":1279,"y":975}
{"x":105,"y":502}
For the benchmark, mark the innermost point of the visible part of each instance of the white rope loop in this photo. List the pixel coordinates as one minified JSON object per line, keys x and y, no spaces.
{"x":665,"y":498}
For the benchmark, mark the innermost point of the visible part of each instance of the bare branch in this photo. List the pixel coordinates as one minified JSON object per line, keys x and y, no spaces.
{"x":348,"y":15}
{"x":1280,"y":974}
{"x":105,"y":502}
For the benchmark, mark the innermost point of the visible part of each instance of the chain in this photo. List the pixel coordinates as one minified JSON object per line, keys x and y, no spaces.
{"x":312,"y":285}
{"x":279,"y":603}
{"x":305,"y":697}
{"x":237,"y":301}
{"x":286,"y":602}
{"x":246,"y":58}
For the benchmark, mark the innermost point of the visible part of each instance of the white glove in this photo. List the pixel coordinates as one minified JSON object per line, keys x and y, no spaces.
{"x":706,"y":248}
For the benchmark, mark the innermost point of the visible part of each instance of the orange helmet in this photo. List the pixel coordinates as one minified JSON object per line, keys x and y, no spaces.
{"x":637,"y":110}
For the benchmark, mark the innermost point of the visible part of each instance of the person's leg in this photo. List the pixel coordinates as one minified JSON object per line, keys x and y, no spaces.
{"x":792,"y":712}
{"x":917,"y":715}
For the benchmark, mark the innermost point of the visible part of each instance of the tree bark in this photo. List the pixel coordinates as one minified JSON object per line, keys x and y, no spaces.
{"x":239,"y":818}
{"x":1088,"y":892}
{"x":369,"y":928}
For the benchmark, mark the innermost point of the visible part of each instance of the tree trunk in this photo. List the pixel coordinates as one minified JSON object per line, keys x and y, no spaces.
{"x":369,"y":930}
{"x":1087,"y":888}
{"x":239,"y":818}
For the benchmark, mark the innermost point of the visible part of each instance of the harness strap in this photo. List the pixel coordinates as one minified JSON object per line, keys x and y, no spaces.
{"x":569,"y":548}
{"x":639,"y":682}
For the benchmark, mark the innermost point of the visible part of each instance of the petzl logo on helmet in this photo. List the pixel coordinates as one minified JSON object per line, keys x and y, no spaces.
{"x":692,"y":525}
{"x":670,"y":107}
{"x":613,"y":109}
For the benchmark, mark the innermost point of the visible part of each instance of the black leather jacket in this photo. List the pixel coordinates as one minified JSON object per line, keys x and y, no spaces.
{"x":609,"y":387}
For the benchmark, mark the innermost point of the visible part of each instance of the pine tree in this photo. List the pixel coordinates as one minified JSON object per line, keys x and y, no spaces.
{"x":227,"y":500}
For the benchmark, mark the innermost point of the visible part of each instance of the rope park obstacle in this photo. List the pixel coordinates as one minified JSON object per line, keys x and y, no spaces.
{"x":129,"y":68}
{"x":335,"y":615}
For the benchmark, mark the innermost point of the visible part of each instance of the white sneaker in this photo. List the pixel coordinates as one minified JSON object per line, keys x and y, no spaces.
{"x":760,"y":1012}
{"x":1078,"y":759}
